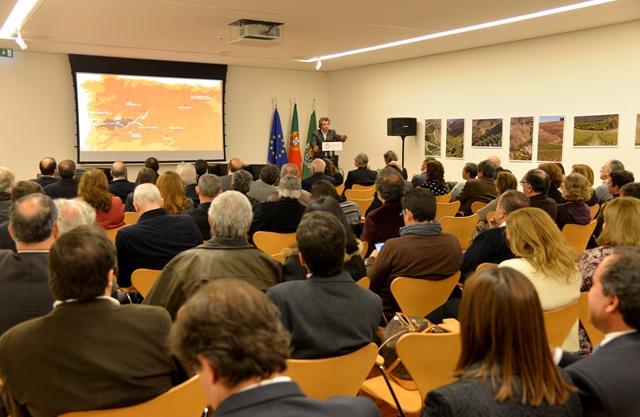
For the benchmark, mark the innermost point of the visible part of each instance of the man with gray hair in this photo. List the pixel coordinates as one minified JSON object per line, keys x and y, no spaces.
{"x":362,"y":175}
{"x":189,"y":178}
{"x":227,"y":254}
{"x":208,"y":188}
{"x":120,"y":185}
{"x":291,"y":169}
{"x":73,"y":213}
{"x":282,"y":215}
{"x":241,"y":182}
{"x":602,"y":191}
{"x":317,"y":168}
{"x":156,"y":238}
{"x":24,"y":289}
{"x":7,"y":180}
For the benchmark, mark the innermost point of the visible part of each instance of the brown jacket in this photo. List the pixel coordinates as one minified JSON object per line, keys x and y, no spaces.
{"x":479,"y":189}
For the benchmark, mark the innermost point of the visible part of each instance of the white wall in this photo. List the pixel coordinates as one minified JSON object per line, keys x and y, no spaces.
{"x":582,"y":73}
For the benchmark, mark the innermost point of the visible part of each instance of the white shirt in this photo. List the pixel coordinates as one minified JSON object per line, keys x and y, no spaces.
{"x":274,"y":380}
{"x":73,"y":300}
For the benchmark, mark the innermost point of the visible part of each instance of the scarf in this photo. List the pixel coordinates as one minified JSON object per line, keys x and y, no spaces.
{"x":422,"y":229}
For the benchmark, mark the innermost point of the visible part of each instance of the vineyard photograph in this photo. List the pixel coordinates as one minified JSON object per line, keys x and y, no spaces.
{"x":432,"y":137}
{"x":455,"y":138}
{"x":595,"y":130}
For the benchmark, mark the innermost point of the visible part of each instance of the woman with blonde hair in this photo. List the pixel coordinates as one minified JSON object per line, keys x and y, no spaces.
{"x":575,"y":190}
{"x":172,"y":191}
{"x":587,"y":172}
{"x":94,"y":190}
{"x":505,"y":367}
{"x":544,"y":257}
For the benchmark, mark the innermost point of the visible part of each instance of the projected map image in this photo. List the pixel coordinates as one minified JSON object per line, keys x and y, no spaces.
{"x":131,"y":113}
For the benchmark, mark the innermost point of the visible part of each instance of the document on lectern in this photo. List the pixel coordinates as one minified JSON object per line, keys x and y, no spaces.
{"x":331,"y":146}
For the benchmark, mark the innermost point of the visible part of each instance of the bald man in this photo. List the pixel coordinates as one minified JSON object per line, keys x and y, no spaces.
{"x":120,"y":185}
{"x":235,"y":164}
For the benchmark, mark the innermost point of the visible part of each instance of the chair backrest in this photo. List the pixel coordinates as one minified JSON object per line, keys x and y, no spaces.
{"x":360,"y":187}
{"x":363,"y":203}
{"x":430,"y":358}
{"x":340,"y":189}
{"x":364,"y":247}
{"x":111,"y":233}
{"x":364,"y":282}
{"x":594,"y":210}
{"x":184,"y":400}
{"x":419,"y":297}
{"x":594,"y":334}
{"x":486,"y":265}
{"x":477,"y":205}
{"x":460,"y":227}
{"x":490,"y":215}
{"x":143,"y":279}
{"x":131,"y":217}
{"x":447,"y":209}
{"x":558,"y":322}
{"x":445,"y":198}
{"x":578,"y":235}
{"x":351,"y":193}
{"x":273,"y":243}
{"x":341,"y":375}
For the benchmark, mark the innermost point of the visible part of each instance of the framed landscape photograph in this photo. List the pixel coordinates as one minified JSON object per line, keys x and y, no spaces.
{"x":550,"y":138}
{"x":486,"y":133}
{"x":455,"y":138}
{"x":599,"y":130}
{"x":521,"y":139}
{"x":432,"y":137}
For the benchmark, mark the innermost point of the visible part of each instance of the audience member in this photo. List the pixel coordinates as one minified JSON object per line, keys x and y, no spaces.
{"x":546,"y":259}
{"x":156,"y":238}
{"x":241,"y":182}
{"x":350,"y":209}
{"x":362,"y":175}
{"x":291,"y":169}
{"x":145,"y":176}
{"x":47,"y":172}
{"x":202,"y":167}
{"x":229,"y":316}
{"x":491,"y":245}
{"x":482,"y":188}
{"x":120,"y":186}
{"x":227,"y":254}
{"x":497,"y":164}
{"x":576,"y":191}
{"x":66,"y":186}
{"x":421,"y":178}
{"x":314,"y":310}
{"x":89,"y":352}
{"x":317,"y":174}
{"x":172,"y":192}
{"x":608,"y":380}
{"x":505,"y":367}
{"x":535,"y":184}
{"x":422,"y":250}
{"x":332,"y":171}
{"x":208,"y":188}
{"x":555,"y":176}
{"x":152,"y":163}
{"x":7,"y":181}
{"x":391,"y":156}
{"x":631,"y":189}
{"x":235,"y":164}
{"x":282,"y":215}
{"x":385,"y":222}
{"x":504,"y":181}
{"x":469,"y":172}
{"x":587,"y":172}
{"x":435,"y":179}
{"x":94,"y":189}
{"x":189,"y":177}
{"x":618,"y":179}
{"x":19,"y":190}
{"x":266,"y":184}
{"x":602,"y":191}
{"x":73,"y":213}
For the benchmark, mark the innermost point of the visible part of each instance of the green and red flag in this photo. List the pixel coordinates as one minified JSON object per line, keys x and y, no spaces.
{"x":308,"y":152}
{"x":294,"y":140}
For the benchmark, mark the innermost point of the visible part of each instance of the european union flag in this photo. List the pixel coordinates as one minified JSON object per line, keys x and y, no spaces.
{"x":277,"y":148}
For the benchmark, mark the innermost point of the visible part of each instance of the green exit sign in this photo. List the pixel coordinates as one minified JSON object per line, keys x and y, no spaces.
{"x":6,"y":52}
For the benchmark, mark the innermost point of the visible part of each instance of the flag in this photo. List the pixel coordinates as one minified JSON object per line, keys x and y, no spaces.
{"x":294,"y":140}
{"x":308,"y":153}
{"x":277,"y":152}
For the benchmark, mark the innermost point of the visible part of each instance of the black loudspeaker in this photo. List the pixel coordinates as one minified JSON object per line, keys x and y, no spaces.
{"x":402,"y":126}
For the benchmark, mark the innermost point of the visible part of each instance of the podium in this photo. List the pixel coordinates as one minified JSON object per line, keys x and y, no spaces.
{"x":329,"y":149}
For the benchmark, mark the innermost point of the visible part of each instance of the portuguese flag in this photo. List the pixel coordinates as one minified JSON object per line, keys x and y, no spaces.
{"x":308,"y":152}
{"x":294,"y":140}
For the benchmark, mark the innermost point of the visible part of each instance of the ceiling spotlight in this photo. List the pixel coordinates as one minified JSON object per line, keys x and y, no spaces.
{"x":318,"y":65}
{"x":21,"y":43}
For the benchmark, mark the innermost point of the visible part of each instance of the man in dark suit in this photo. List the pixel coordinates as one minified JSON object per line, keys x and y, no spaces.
{"x":89,"y":352}
{"x":535,"y":185}
{"x":66,"y":186}
{"x":235,"y":164}
{"x":156,"y":238}
{"x":47,"y":172}
{"x":250,"y":382}
{"x":317,"y":170}
{"x":208,"y":188}
{"x":120,"y":185}
{"x":608,"y":380}
{"x":482,"y":188}
{"x":283,"y":215}
{"x":362,"y":174}
{"x":324,"y":134}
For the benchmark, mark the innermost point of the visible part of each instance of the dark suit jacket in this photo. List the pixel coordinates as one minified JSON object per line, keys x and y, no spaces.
{"x":201,"y":215}
{"x":64,"y":188}
{"x":317,"y":139}
{"x":190,"y":192}
{"x":153,"y":241}
{"x":308,"y":182}
{"x":45,"y":180}
{"x":362,"y":176}
{"x":121,"y":188}
{"x":489,"y":246}
{"x":478,"y":189}
{"x":545,"y":203}
{"x":608,"y":381}
{"x":280,"y":216}
{"x":315,"y":311}
{"x":285,"y":399}
{"x":85,"y":356}
{"x":6,"y":242}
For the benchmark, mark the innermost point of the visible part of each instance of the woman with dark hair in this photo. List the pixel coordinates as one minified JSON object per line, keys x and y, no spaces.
{"x":353,"y":263}
{"x":94,"y":190}
{"x":435,"y":179}
{"x":330,"y":170}
{"x":554,"y":172}
{"x":350,"y":209}
{"x":145,"y":175}
{"x":505,"y":367}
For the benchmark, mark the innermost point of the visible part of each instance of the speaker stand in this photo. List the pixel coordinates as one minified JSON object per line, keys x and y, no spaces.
{"x":402,"y":137}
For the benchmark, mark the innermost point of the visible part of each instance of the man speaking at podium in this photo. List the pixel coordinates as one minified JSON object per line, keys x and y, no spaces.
{"x":324,"y":134}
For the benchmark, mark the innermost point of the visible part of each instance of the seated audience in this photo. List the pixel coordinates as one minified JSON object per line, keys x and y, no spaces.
{"x":602,"y":191}
{"x":504,"y":181}
{"x":94,"y":189}
{"x":546,"y":259}
{"x":535,"y":184}
{"x":317,"y":174}
{"x":7,"y":181}
{"x":235,"y":164}
{"x":172,"y":192}
{"x":189,"y":177}
{"x":350,"y":209}
{"x":330,"y":170}
{"x":282,"y":215}
{"x":19,"y":190}
{"x":469,"y":172}
{"x":229,"y":315}
{"x":422,"y":176}
{"x":89,"y":352}
{"x":421,"y":251}
{"x":315,"y":310}
{"x":153,"y":164}
{"x":389,"y":158}
{"x":617,"y":180}
{"x":120,"y":186}
{"x":156,"y":237}
{"x":435,"y":179}
{"x":66,"y":186}
{"x":266,"y":184}
{"x":587,"y":172}
{"x":73,"y":213}
{"x":513,"y":377}
{"x":353,"y":263}
{"x":291,"y":169}
{"x":576,"y":191}
{"x":482,"y":188}
{"x":631,"y":189}
{"x":47,"y":172}
{"x":608,"y":379}
{"x":495,"y":160}
{"x":208,"y":188}
{"x":556,"y":177}
{"x":202,"y":167}
{"x":145,"y":176}
{"x":227,"y":254}
{"x":491,"y":245}
{"x":362,"y":174}
{"x":241,"y":182}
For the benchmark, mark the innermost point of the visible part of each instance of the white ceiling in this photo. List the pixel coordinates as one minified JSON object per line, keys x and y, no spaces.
{"x":197,"y":30}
